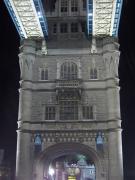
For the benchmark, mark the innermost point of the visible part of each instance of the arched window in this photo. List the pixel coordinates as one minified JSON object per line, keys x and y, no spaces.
{"x":68,"y":71}
{"x":37,"y":144}
{"x":44,"y":74}
{"x":93,"y":73}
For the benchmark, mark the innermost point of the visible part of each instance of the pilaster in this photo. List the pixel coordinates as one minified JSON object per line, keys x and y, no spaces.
{"x":23,"y":157}
{"x":115,"y":155}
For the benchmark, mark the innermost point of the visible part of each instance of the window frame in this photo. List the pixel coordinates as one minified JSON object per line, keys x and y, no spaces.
{"x":63,"y":29}
{"x":64,"y":6}
{"x":44,"y":74}
{"x":74,"y":5}
{"x":84,"y":4}
{"x":88,"y":112}
{"x":50,"y":114}
{"x":54,"y":30}
{"x":67,"y":108}
{"x":93,"y":73}
{"x":68,"y":71}
{"x":74,"y":27}
{"x":83,"y":27}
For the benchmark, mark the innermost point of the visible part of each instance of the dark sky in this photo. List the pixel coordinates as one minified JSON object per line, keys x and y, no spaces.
{"x":9,"y":84}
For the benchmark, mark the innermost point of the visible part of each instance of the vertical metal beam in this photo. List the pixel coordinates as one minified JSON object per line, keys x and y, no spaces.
{"x":117,"y":17}
{"x":11,"y":9}
{"x":41,"y":16}
{"x":28,"y":17}
{"x":89,"y":16}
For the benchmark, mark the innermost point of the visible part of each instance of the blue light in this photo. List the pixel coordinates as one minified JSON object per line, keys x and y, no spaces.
{"x":38,"y":140}
{"x":14,"y":18}
{"x":89,"y":16}
{"x":41,"y":16}
{"x":117,"y":17}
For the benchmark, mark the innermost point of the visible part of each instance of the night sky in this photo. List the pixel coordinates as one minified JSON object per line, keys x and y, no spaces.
{"x":9,"y":85}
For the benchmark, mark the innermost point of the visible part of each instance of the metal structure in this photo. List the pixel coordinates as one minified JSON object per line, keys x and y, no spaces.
{"x":89,"y":16}
{"x":69,"y":94}
{"x":28,"y":17}
{"x":103,"y":17}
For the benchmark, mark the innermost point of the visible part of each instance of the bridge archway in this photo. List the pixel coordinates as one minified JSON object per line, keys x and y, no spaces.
{"x":56,"y":151}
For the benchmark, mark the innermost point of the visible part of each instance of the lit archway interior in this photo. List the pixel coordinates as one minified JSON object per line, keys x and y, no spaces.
{"x":72,"y":167}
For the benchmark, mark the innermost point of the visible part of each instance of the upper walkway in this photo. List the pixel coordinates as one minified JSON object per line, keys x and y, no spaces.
{"x":30,"y":20}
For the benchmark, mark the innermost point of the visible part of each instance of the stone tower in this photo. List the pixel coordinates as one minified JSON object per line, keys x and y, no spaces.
{"x":69,"y":96}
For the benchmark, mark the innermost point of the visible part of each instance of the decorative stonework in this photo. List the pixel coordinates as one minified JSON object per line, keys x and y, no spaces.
{"x":62,"y":137}
{"x":26,"y":61}
{"x":111,"y":64}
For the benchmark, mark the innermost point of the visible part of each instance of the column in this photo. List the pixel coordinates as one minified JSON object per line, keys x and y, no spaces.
{"x":115,"y":155}
{"x":23,"y":157}
{"x":113,"y":101}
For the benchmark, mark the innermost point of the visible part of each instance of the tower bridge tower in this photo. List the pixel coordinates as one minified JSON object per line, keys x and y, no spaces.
{"x":69,"y":124}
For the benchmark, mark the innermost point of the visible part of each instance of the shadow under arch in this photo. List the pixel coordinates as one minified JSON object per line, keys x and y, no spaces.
{"x":60,"y":149}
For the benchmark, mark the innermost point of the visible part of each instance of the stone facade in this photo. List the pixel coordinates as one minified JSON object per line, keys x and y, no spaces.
{"x":78,"y":134}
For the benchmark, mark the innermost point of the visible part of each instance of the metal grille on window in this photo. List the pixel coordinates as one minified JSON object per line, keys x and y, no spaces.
{"x":88,"y":112}
{"x":63,"y":28}
{"x":74,"y":27}
{"x":68,"y":110}
{"x":44,"y":74}
{"x":93,"y":73}
{"x":64,"y":5}
{"x":74,"y":5}
{"x":50,"y":113}
{"x":68,"y":71}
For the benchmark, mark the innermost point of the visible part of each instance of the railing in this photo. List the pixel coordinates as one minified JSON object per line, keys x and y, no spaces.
{"x":68,"y":83}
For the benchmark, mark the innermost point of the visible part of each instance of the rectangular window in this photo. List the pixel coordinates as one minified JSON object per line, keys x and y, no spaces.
{"x":64,"y":5}
{"x":93,"y":73}
{"x":74,"y":5}
{"x":87,"y":112}
{"x":63,"y":28}
{"x":43,"y":74}
{"x":68,"y":110}
{"x":55,"y":28}
{"x":50,"y":113}
{"x":83,"y":26}
{"x":84,"y":4}
{"x":74,"y":27}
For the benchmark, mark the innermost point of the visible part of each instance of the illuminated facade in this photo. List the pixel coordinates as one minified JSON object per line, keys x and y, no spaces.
{"x":69,"y":124}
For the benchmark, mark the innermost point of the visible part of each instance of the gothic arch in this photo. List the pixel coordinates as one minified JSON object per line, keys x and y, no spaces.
{"x":57,"y":150}
{"x":68,"y":70}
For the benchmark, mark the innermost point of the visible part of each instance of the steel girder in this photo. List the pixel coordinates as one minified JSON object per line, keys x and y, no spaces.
{"x":28,"y":17}
{"x":103,"y":17}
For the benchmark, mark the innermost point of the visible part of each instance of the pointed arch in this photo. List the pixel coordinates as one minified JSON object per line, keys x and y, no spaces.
{"x":37,"y":144}
{"x":93,"y":73}
{"x":69,"y":71}
{"x":44,"y":74}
